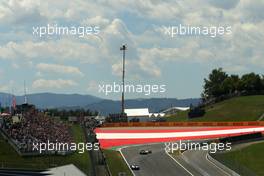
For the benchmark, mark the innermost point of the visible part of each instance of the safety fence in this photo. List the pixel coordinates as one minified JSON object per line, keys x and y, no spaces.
{"x":182,"y":124}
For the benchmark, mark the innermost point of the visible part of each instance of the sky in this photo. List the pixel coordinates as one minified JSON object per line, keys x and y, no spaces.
{"x":73,"y":64}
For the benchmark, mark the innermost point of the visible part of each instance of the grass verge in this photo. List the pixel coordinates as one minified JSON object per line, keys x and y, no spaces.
{"x":116,"y":162}
{"x":245,"y":161}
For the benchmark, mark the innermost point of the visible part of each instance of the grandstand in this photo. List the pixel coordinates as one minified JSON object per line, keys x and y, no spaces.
{"x":31,"y":126}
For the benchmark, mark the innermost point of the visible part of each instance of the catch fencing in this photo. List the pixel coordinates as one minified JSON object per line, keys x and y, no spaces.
{"x":183,"y":124}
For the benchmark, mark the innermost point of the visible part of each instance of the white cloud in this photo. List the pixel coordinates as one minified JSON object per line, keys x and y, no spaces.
{"x":15,"y":66}
{"x":3,"y":88}
{"x":2,"y":73}
{"x":64,"y":49}
{"x":39,"y":74}
{"x":148,"y":50}
{"x":20,"y":12}
{"x":96,"y":21}
{"x":150,"y":67}
{"x":235,"y":68}
{"x":157,"y":9}
{"x":6,"y":87}
{"x":117,"y":68}
{"x":92,"y":86}
{"x":56,"y":84}
{"x":55,"y":68}
{"x":225,"y":4}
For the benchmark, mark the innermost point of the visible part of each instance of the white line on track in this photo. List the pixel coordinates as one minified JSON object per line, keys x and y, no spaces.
{"x":179,"y":164}
{"x":216,"y":165}
{"x":120,"y":150}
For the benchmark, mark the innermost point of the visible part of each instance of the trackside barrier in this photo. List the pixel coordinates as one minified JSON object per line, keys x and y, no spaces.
{"x":182,"y":124}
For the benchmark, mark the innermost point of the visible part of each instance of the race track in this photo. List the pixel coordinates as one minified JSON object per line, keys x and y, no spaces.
{"x":190,"y":163}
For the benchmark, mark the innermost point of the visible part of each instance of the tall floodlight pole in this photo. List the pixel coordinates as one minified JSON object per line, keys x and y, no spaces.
{"x":123,"y":48}
{"x":25,"y":93}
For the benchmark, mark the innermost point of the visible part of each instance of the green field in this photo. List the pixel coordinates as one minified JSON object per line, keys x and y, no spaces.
{"x":116,"y":162}
{"x":251,"y":157}
{"x":10,"y":159}
{"x":246,"y":108}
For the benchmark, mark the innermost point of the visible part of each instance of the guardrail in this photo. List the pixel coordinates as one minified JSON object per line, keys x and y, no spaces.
{"x":182,"y":124}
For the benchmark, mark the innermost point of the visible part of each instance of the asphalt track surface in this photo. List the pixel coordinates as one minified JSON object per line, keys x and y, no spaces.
{"x":190,"y":163}
{"x":199,"y":160}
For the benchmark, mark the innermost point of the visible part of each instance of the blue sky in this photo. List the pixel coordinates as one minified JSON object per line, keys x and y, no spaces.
{"x":69,"y":64}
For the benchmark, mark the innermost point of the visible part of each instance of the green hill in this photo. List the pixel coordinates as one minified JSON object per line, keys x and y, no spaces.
{"x":246,"y":108}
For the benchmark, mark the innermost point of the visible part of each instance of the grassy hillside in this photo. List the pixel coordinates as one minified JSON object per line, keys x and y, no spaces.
{"x":246,"y":108}
{"x":246,"y":160}
{"x":10,"y":159}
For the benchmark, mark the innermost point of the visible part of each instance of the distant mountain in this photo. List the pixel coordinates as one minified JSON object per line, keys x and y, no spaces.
{"x":154,"y":104}
{"x":52,"y":100}
{"x":75,"y":101}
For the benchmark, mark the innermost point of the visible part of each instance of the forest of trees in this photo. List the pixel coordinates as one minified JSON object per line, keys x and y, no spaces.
{"x":220,"y":85}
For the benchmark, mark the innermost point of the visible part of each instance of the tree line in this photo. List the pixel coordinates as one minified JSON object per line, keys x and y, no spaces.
{"x":66,"y":113}
{"x":219,"y":85}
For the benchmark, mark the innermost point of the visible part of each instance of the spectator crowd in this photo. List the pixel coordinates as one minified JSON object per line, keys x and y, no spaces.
{"x":35,"y":127}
